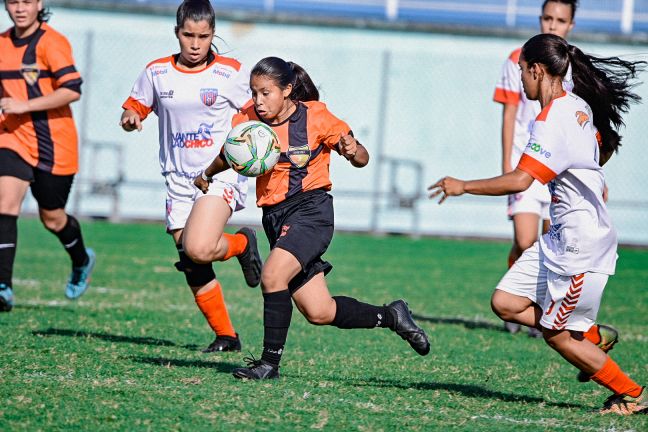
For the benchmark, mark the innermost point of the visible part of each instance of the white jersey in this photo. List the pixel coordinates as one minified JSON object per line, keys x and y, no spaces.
{"x":509,"y":91}
{"x":564,"y":152}
{"x":195,"y":110}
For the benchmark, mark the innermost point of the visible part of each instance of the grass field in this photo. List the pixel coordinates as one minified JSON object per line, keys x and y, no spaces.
{"x":126,"y":355}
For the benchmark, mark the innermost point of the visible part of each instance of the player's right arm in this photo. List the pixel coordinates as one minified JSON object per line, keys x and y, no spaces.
{"x":139,"y":104}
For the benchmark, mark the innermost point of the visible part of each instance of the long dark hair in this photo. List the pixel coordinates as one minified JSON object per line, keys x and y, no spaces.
{"x":285,"y":73}
{"x":572,"y":3}
{"x":603,"y":82}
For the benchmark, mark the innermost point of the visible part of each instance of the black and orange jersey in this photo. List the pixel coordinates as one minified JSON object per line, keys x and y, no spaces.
{"x":29,"y":68}
{"x":306,"y":138}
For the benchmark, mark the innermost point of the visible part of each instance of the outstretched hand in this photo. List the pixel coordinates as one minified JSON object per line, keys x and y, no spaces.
{"x":448,"y":186}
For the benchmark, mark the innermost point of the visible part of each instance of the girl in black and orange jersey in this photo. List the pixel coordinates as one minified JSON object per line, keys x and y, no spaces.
{"x":298,"y":215}
{"x":38,"y":140}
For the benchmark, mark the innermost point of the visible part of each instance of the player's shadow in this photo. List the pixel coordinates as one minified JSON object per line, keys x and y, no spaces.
{"x":137,"y":340}
{"x":59,"y":308}
{"x":468,"y":390}
{"x":219,"y":366}
{"x":468,"y":323}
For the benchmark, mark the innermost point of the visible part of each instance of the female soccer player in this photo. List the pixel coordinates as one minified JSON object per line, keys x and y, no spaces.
{"x":526,"y":208}
{"x":557,"y":284}
{"x":298,"y":215}
{"x":195,"y":94}
{"x":38,"y":139}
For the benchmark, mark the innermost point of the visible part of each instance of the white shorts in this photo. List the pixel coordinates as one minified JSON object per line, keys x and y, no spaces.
{"x":567,"y":302}
{"x":534,"y":200}
{"x":181,"y":195}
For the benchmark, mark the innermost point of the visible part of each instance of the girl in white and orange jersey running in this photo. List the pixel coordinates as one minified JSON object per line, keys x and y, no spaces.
{"x":195,"y":94}
{"x":527,"y":208}
{"x":557,"y":284}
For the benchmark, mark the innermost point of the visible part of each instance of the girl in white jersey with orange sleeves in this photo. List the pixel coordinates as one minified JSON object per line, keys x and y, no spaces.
{"x":557,"y":284}
{"x":527,"y":208}
{"x":195,"y":94}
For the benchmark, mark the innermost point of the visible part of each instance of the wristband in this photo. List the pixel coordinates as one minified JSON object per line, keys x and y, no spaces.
{"x":206,"y":177}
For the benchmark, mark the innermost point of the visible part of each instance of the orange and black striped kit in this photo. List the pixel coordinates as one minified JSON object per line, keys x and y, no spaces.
{"x":306,"y":139}
{"x":32,"y":67}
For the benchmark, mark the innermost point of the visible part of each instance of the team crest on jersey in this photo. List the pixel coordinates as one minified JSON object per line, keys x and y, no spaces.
{"x":208,"y":96}
{"x":30,"y":73}
{"x":299,"y":155}
{"x":582,"y":118}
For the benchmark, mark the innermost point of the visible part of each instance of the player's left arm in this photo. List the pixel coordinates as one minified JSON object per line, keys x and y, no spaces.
{"x":505,"y":184}
{"x":58,"y":98}
{"x":353,"y":151}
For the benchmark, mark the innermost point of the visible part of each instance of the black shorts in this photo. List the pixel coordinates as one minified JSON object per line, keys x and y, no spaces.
{"x":50,"y":191}
{"x":303,"y":226}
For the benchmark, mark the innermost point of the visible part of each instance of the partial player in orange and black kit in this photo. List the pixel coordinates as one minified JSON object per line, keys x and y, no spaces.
{"x":298,"y":215}
{"x":38,"y":139}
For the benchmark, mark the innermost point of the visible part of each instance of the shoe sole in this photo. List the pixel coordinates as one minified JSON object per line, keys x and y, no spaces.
{"x":252,"y":242}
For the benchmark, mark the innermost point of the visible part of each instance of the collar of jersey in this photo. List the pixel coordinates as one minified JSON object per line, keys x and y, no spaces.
{"x":293,"y":117}
{"x":19,"y":42}
{"x":211,"y":58}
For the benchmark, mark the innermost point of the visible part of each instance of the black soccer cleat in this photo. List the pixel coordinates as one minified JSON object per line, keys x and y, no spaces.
{"x":256,"y":370}
{"x":224,"y":343}
{"x":406,"y":328}
{"x":250,"y":259}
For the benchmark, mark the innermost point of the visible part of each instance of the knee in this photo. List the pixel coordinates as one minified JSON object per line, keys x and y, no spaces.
{"x":500,"y":307}
{"x":53,"y":222}
{"x":319,"y":316}
{"x":272,"y":279}
{"x":198,"y":253}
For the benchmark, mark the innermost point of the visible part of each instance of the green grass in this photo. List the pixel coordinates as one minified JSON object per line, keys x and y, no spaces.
{"x":125,"y":356}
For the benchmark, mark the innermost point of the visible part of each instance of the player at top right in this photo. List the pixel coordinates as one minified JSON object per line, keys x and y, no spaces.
{"x":526,"y":209}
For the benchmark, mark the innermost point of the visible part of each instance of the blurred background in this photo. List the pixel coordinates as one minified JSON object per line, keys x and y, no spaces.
{"x":414,"y":79}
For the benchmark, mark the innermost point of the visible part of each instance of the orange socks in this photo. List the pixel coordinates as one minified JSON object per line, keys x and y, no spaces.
{"x":613,"y":378}
{"x":212,"y":305}
{"x":237,"y":245}
{"x":593,"y":335}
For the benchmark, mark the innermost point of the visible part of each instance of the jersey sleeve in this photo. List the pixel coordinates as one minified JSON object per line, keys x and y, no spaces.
{"x":58,"y":55}
{"x":331,"y":128}
{"x":509,"y":87}
{"x":142,"y":96}
{"x":547,"y":154}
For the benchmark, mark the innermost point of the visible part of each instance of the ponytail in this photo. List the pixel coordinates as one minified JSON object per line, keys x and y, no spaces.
{"x":288,"y":73}
{"x":603,"y":82}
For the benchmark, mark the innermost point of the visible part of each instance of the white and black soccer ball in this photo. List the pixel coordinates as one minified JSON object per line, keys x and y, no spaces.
{"x":252,"y":148}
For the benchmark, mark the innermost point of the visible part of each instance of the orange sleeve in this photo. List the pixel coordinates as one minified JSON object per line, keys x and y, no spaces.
{"x":506,"y":97}
{"x":536,"y":169}
{"x":134,"y":105}
{"x":58,"y":55}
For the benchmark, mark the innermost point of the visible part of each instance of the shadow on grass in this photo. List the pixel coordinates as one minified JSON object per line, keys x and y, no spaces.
{"x":469,"y":324}
{"x":468,"y":390}
{"x":223,"y":367}
{"x":59,"y":307}
{"x":137,"y":340}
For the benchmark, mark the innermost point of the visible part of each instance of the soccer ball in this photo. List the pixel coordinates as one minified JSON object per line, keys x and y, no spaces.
{"x":252,"y":148}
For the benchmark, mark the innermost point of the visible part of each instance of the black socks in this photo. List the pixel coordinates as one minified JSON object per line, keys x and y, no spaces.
{"x":277,"y":312}
{"x":72,"y":240}
{"x":8,"y":241}
{"x":352,"y":314}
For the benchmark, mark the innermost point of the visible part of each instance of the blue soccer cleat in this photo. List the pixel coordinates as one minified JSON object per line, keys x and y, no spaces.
{"x":6,"y":298}
{"x":80,"y":278}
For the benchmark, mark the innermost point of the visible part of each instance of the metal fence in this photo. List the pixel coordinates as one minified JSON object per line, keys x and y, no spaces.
{"x":421,"y":103}
{"x":601,"y":16}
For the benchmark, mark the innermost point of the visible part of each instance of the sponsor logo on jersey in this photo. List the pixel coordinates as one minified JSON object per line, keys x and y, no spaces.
{"x":166,"y":94}
{"x":572,"y":249}
{"x":554,"y":232}
{"x":537,"y":148}
{"x":159,"y":70}
{"x":208,"y":96}
{"x":299,"y":155}
{"x":582,"y":118}
{"x":222,"y":72}
{"x":199,"y":139}
{"x":30,"y":73}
